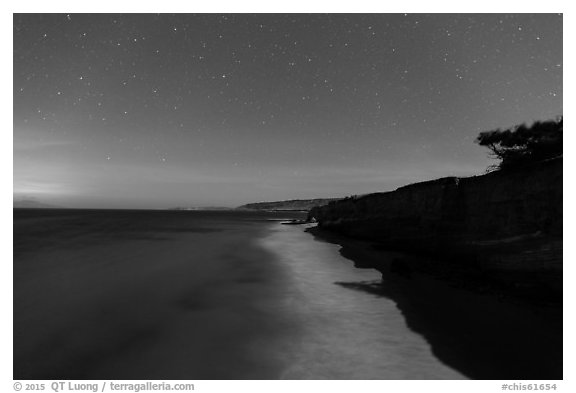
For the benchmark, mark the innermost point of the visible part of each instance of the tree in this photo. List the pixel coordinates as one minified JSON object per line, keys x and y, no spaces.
{"x":521,"y":145}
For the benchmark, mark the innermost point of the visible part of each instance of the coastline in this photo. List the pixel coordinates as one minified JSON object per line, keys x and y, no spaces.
{"x":508,"y":220}
{"x":345,"y":333}
{"x":499,"y":232}
{"x":481,"y":329}
{"x":190,"y":295}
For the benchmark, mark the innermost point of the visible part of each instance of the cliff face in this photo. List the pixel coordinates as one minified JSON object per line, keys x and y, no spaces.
{"x":502,"y":220}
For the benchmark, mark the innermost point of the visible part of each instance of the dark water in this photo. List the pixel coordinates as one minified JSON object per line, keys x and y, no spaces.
{"x":208,"y":295}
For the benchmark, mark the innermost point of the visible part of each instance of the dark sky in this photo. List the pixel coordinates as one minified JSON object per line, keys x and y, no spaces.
{"x":205,"y":110}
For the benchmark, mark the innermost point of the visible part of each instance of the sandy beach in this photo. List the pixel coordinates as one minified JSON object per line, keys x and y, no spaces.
{"x":193,"y":295}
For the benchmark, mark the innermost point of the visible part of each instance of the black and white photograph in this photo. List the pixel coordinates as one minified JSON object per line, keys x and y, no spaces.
{"x":287,"y":196}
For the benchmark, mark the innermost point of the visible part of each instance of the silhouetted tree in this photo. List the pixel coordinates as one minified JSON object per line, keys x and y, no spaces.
{"x":522,"y":145}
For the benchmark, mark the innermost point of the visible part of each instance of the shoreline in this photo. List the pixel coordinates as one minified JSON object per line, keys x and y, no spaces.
{"x":535,"y":287}
{"x":347,"y":334}
{"x":157,"y":293}
{"x":484,"y":331}
{"x":503,"y":228}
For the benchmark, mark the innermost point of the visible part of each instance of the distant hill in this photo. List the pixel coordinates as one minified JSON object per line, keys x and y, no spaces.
{"x":211,"y":208}
{"x":32,"y":204}
{"x":291,"y":205}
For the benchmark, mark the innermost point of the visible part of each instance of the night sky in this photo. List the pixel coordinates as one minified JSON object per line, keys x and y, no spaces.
{"x":210,"y":110}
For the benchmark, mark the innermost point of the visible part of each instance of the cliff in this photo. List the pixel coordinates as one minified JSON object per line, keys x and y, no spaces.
{"x":291,"y":205}
{"x":503,"y":221}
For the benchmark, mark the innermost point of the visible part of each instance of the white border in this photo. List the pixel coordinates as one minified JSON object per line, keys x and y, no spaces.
{"x":298,"y":6}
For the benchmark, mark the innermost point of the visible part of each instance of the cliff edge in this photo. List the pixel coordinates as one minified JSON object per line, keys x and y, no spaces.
{"x":505,"y":221}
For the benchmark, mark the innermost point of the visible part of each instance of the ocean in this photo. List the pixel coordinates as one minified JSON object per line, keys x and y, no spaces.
{"x":120,"y":294}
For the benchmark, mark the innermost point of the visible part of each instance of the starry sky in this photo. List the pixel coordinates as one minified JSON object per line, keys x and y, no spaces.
{"x":154,"y":111}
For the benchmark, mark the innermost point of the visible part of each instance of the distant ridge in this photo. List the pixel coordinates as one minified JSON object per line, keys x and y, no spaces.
{"x":32,"y":204}
{"x":210,"y":208}
{"x":290,"y":205}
